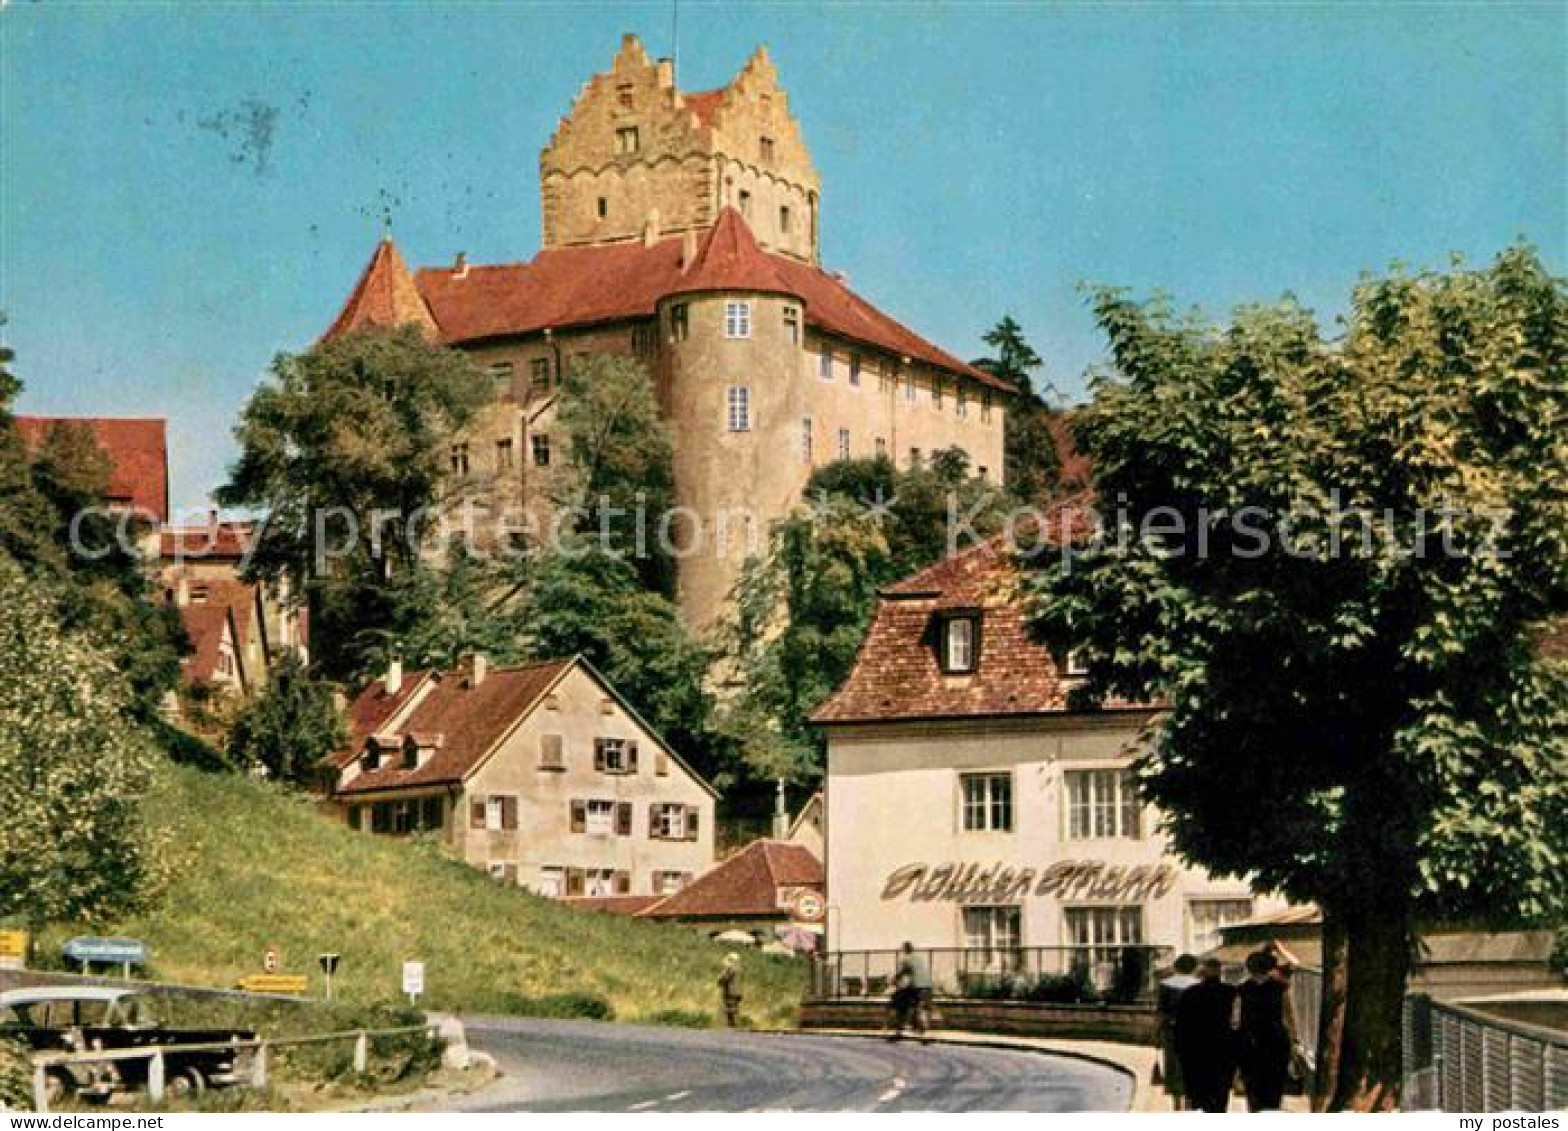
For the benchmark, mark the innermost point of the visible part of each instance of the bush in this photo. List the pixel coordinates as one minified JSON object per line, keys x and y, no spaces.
{"x":1072,"y":988}
{"x":569,"y":1005}
{"x":16,"y":1077}
{"x":681,"y":1019}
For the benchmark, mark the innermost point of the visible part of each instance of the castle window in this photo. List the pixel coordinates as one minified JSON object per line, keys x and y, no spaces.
{"x":825,"y":363}
{"x":854,"y":369}
{"x":540,"y":442}
{"x":644,"y":339}
{"x":604,"y":208}
{"x":460,"y":459}
{"x":626,"y":140}
{"x":936,"y":393}
{"x":679,"y":326}
{"x":961,"y":399}
{"x":738,"y":402}
{"x":623,"y":95}
{"x":881,"y":447}
{"x":985,"y":405}
{"x":503,"y":455}
{"x":539,"y":374}
{"x":737,"y":320}
{"x":909,"y":388}
{"x":784,"y":218}
{"x":745,"y":204}
{"x":792,"y":324}
{"x":501,"y":376}
{"x":765,"y":145}
{"x":843,"y":443}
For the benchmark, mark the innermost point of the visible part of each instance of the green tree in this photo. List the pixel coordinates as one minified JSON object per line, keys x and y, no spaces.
{"x":347,"y":452}
{"x":620,"y":472}
{"x":1358,"y":715}
{"x":290,"y":727}
{"x":74,"y":769}
{"x":1032,"y":462}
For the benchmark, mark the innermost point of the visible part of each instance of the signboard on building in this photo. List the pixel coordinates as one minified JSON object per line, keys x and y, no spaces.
{"x":13,"y":950}
{"x":1003,"y":883}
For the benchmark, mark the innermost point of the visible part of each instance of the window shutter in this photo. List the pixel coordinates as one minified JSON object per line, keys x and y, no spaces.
{"x":623,"y":818}
{"x":691,"y":822}
{"x":476,"y":814}
{"x":631,"y":757}
{"x":508,"y":812}
{"x":574,"y":881}
{"x":653,"y":820}
{"x":598,"y":755}
{"x":579,"y":816}
{"x":551,"y":753}
{"x":623,"y":883}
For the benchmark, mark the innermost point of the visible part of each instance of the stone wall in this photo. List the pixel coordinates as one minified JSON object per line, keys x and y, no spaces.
{"x":1125,"y":1023}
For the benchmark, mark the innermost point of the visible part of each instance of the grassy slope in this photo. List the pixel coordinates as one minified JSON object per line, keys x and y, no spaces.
{"x":259,"y":867}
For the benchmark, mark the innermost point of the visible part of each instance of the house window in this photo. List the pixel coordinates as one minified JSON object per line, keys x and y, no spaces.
{"x":552,"y":881}
{"x":614,"y":756}
{"x":1100,"y":933}
{"x":843,"y":443}
{"x":854,"y":369}
{"x":1207,"y":917}
{"x":539,"y":374}
{"x":792,"y":324}
{"x":914,"y":458}
{"x":495,"y":814}
{"x":668,"y":883}
{"x":961,"y":402}
{"x":784,"y":219}
{"x":460,"y":459}
{"x":626,"y":140}
{"x":997,"y":931}
{"x":644,"y":339}
{"x":881,"y":447}
{"x":909,"y":388}
{"x":805,"y":439}
{"x":1102,"y":804}
{"x":825,"y":363}
{"x":623,"y":95}
{"x":552,"y":752}
{"x":667,"y":822}
{"x":503,"y":873}
{"x":503,"y":455}
{"x":679,"y":326}
{"x":501,"y":376}
{"x":606,"y":881}
{"x":738,"y":402}
{"x":985,"y":405}
{"x":600,"y":818}
{"x":539,"y":442}
{"x":988,"y":802}
{"x":737,"y":320}
{"x":765,"y":146}
{"x":958,"y":644}
{"x":604,"y":208}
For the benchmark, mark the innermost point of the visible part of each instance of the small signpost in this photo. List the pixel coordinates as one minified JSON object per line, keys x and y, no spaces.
{"x":413,"y":981}
{"x":289,"y":985}
{"x":329,"y":966}
{"x":13,"y":950}
{"x":270,"y":960}
{"x":88,"y":949}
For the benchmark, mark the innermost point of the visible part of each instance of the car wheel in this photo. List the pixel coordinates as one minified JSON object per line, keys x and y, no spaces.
{"x":186,"y":1083}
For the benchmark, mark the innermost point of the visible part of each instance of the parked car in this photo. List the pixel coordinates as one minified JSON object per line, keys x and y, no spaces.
{"x":94,"y":1018}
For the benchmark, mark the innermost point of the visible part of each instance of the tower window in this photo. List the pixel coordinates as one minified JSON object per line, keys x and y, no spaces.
{"x":679,"y":325}
{"x":825,"y":363}
{"x":745,"y":204}
{"x":627,"y":140}
{"x":783,"y":217}
{"x":766,"y":146}
{"x":623,"y":95}
{"x":539,"y":374}
{"x":644,"y":339}
{"x":806,"y":452}
{"x":604,"y":208}
{"x":843,"y":443}
{"x":738,"y":402}
{"x":541,"y":447}
{"x":792,"y":324}
{"x":460,"y":459}
{"x":737,"y":320}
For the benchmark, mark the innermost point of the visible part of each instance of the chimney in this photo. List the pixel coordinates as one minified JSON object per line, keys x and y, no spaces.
{"x":474,"y":668}
{"x":780,"y":813}
{"x":394,"y":677}
{"x":460,"y":266}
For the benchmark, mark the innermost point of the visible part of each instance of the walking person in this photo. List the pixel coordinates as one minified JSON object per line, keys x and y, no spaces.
{"x":1171,"y":989}
{"x":729,"y":990}
{"x":1265,"y":1027}
{"x":1205,"y":1040}
{"x":912,"y":993}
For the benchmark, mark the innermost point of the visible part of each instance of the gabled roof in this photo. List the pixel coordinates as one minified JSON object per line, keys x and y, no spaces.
{"x":243,"y":602}
{"x":212,"y":542}
{"x":587,"y":286}
{"x":897,"y":674}
{"x":384,"y":296}
{"x":138,"y":452}
{"x":744,"y":884}
{"x":206,"y":626}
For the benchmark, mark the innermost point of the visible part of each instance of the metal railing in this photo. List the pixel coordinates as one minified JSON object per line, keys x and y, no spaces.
{"x":256,"y":1072}
{"x":1060,"y":974}
{"x":1458,"y":1058}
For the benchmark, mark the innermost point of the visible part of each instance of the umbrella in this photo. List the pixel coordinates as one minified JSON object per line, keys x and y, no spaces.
{"x":736,"y":937}
{"x":797,"y":938}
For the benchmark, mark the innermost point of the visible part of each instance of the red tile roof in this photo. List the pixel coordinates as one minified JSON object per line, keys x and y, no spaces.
{"x":204,"y":625}
{"x":704,"y":102}
{"x":470,"y":721}
{"x":138,"y":451}
{"x":241,"y":600}
{"x":384,"y":296}
{"x":223,"y":540}
{"x":897,"y":674}
{"x":612,"y":904}
{"x":587,"y":286}
{"x":743,"y":885}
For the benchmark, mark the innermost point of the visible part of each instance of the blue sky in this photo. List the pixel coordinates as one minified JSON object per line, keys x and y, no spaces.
{"x":185,"y":191}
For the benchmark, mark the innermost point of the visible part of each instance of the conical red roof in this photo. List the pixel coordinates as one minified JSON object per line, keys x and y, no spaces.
{"x":385,"y":296}
{"x":730,"y":260}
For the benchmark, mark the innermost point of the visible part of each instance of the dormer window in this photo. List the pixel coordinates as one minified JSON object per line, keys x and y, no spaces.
{"x":410,"y":754}
{"x":370,"y":760}
{"x":959,"y":643}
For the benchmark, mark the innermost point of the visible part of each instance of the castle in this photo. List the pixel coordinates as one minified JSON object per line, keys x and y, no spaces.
{"x":682,"y":229}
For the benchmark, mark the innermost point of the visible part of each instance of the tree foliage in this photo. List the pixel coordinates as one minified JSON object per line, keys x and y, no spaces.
{"x":1358,"y":714}
{"x":74,"y":769}
{"x":1031,"y":461}
{"x":346,"y":450}
{"x":290,"y":727}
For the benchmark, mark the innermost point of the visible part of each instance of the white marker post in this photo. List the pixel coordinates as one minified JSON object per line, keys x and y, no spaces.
{"x":413,"y":981}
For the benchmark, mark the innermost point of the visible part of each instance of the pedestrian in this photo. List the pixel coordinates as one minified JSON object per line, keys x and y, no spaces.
{"x":1265,"y":1027}
{"x":729,"y":990}
{"x":1171,"y":989}
{"x":911,"y":993}
{"x":1205,"y":1041}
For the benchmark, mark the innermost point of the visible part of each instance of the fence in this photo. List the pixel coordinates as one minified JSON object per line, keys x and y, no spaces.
{"x":1059,"y":974}
{"x":1458,"y":1058}
{"x":259,"y":1049}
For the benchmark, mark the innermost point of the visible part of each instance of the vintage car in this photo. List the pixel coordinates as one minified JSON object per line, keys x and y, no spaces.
{"x":105,"y":1018}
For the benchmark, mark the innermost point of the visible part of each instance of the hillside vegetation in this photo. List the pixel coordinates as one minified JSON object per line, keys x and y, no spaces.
{"x":256,"y":867}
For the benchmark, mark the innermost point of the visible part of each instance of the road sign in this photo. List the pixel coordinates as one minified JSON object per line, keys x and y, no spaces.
{"x":85,"y":948}
{"x":290,"y":984}
{"x":270,"y":960}
{"x":329,"y":966}
{"x":809,"y":907}
{"x":13,"y":950}
{"x":413,"y":979}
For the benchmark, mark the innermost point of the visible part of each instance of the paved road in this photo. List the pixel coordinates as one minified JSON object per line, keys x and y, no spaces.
{"x":586,"y":1066}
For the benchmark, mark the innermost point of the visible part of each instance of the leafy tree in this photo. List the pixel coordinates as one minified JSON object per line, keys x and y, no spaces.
{"x":290,"y":727}
{"x":74,"y":769}
{"x":347,"y":450}
{"x":1358,"y":712}
{"x":620,"y":470}
{"x":1033,"y":465}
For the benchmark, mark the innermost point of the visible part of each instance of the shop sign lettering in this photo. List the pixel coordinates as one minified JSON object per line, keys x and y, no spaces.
{"x":1002,"y":883}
